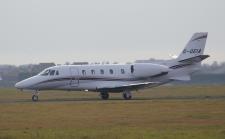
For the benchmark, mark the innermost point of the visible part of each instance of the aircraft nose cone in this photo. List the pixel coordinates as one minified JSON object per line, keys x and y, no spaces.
{"x":26,"y":84}
{"x":22,"y":84}
{"x":19,"y":85}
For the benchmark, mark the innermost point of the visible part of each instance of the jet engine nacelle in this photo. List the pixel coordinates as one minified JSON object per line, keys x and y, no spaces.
{"x":148,"y":70}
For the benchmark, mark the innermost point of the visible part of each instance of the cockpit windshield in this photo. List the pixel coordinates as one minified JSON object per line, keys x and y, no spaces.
{"x":45,"y":73}
{"x":52,"y":72}
{"x":49,"y":72}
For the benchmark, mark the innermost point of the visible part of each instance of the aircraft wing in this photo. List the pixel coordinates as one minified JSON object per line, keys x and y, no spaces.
{"x":127,"y":87}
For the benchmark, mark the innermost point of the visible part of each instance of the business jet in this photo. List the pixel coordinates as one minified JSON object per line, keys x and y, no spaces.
{"x":119,"y":78}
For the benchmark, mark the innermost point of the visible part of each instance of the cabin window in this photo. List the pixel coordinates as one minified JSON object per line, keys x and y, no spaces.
{"x":111,"y":71}
{"x":52,"y":72}
{"x":93,"y":72}
{"x":102,"y":71}
{"x":132,"y":68}
{"x":57,"y":72}
{"x":45,"y":73}
{"x":122,"y":71}
{"x":83,"y":72}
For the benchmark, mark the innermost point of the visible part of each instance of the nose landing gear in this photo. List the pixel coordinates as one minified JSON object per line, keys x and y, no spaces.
{"x":35,"y":96}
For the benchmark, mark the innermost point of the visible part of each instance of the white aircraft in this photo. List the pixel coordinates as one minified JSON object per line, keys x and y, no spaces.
{"x":119,"y":78}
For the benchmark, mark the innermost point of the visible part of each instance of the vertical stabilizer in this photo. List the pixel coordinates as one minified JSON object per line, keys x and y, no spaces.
{"x":195,"y":46}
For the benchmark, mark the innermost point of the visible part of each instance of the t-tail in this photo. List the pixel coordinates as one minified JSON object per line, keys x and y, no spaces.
{"x":191,"y":56}
{"x":195,"y":48}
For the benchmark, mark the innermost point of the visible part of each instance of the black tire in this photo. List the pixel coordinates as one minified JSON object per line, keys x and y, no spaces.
{"x":127,"y":97}
{"x":104,"y":95}
{"x":35,"y":98}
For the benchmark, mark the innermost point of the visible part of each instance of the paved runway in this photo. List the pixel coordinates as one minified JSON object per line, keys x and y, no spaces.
{"x":112,"y":99}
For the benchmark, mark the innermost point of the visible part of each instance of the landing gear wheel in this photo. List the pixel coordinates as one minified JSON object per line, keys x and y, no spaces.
{"x":104,"y":95}
{"x":127,"y":95}
{"x":35,"y":98}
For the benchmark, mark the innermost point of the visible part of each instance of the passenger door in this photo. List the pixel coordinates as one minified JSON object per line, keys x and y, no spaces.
{"x":74,"y":77}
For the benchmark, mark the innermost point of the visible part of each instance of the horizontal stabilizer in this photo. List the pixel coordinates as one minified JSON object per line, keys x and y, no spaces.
{"x":195,"y":59}
{"x":189,"y":61}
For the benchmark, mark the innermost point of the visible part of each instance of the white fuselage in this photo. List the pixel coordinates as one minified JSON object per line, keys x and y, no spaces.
{"x":93,"y":77}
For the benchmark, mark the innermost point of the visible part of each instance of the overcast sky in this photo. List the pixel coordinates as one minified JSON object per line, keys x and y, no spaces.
{"x":33,"y":31}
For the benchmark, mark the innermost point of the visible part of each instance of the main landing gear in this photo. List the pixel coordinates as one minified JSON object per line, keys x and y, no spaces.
{"x":35,"y":96}
{"x":104,"y":95}
{"x":127,"y":95}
